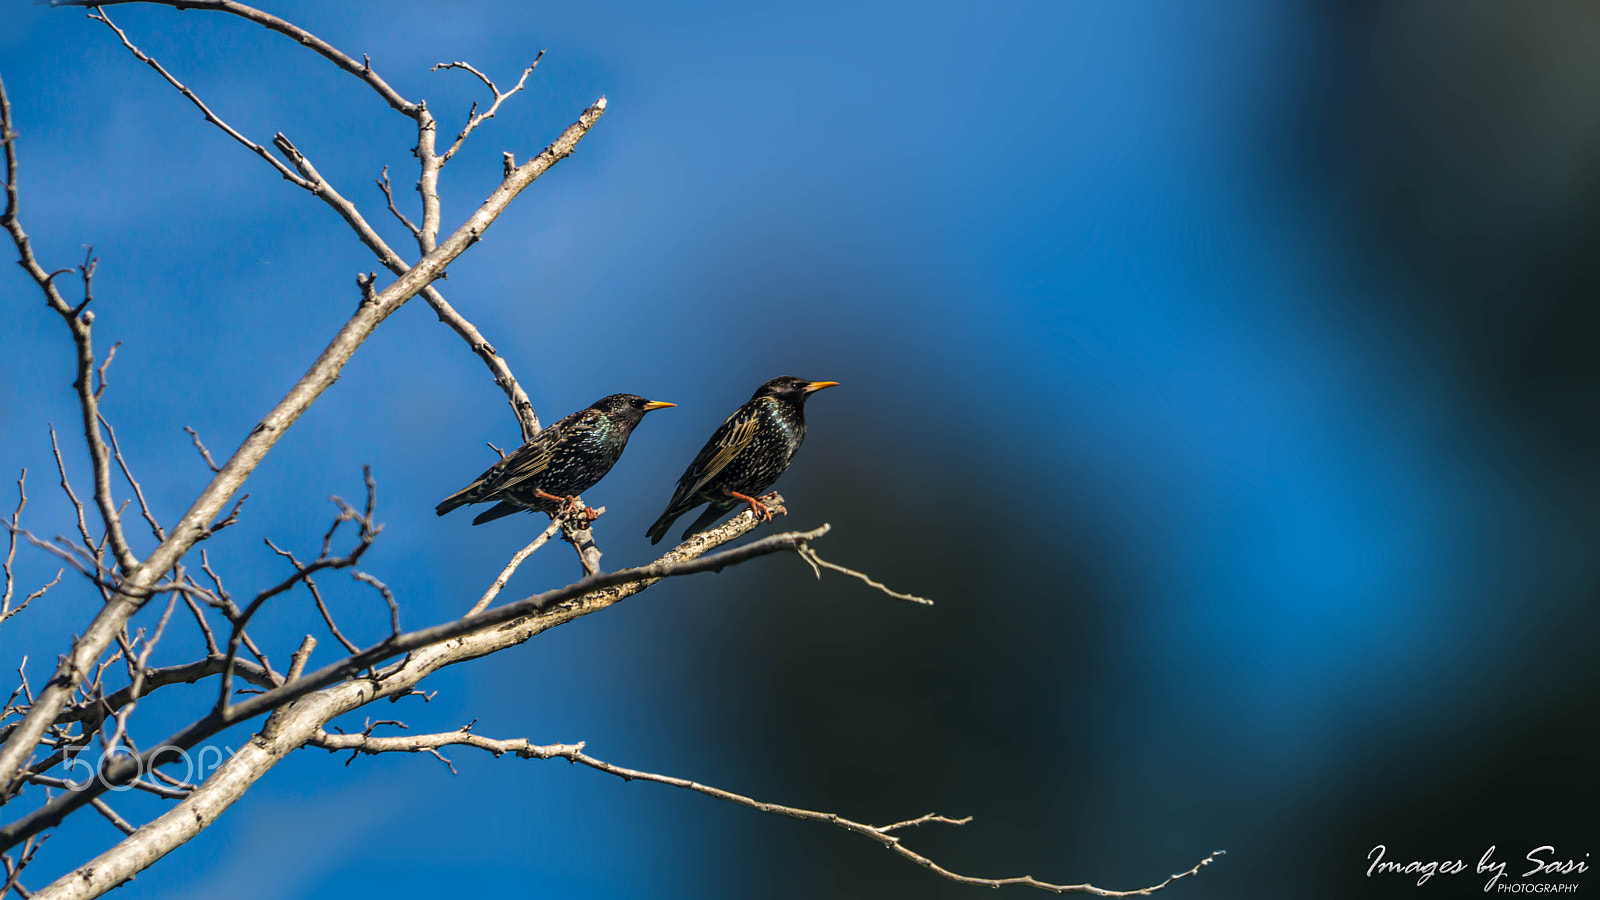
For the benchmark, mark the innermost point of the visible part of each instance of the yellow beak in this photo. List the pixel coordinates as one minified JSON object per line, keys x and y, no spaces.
{"x":657,"y":404}
{"x":819,"y":385}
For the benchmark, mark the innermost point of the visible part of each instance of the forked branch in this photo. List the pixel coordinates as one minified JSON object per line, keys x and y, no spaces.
{"x":475,"y":118}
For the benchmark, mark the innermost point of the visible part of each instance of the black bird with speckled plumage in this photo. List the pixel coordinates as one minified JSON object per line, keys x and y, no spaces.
{"x":562,"y":461}
{"x":745,"y":456}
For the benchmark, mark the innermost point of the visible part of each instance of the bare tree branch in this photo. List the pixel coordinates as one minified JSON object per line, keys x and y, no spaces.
{"x":192,"y":527}
{"x":883,"y":834}
{"x":99,"y":15}
{"x":11,"y":549}
{"x":475,"y":118}
{"x":8,"y":611}
{"x":368,"y":533}
{"x":577,"y":530}
{"x":186,"y":673}
{"x":592,"y":593}
{"x":327,"y":616}
{"x":78,"y":320}
{"x":310,"y":179}
{"x":521,"y":405}
{"x":14,"y":868}
{"x":164,"y":793}
{"x":362,"y":70}
{"x":75,"y":707}
{"x":314,"y":706}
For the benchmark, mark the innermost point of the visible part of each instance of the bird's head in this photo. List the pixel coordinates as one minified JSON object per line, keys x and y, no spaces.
{"x":794,"y":390}
{"x":628,"y":407}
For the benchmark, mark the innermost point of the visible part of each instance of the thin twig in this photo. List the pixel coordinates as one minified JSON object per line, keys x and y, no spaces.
{"x":161,"y":791}
{"x":111,"y":354}
{"x":204,"y":453}
{"x":66,"y":485}
{"x":388,"y":195}
{"x":111,"y":816}
{"x":205,"y":627}
{"x":14,"y":867}
{"x":327,"y":617}
{"x":141,"y":670}
{"x":388,"y":597}
{"x":9,"y":611}
{"x":11,"y":549}
{"x":362,"y":70}
{"x":511,"y":567}
{"x":232,"y":517}
{"x":138,"y":491}
{"x":297,"y":662}
{"x":297,"y":667}
{"x":367,"y":534}
{"x":99,"y":15}
{"x":810,"y":555}
{"x":6,"y":609}
{"x":102,"y":578}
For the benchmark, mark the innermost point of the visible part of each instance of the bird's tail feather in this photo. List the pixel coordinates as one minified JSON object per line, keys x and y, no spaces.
{"x":659,"y":529}
{"x":458,"y":499}
{"x":503,"y":508}
{"x":711,"y":514}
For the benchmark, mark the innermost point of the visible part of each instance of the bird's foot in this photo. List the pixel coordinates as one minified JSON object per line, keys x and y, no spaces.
{"x":757,"y":508}
{"x":771,"y":500}
{"x":572,"y":507}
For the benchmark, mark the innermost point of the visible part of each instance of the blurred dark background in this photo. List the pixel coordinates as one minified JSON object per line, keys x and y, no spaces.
{"x":1224,"y":372}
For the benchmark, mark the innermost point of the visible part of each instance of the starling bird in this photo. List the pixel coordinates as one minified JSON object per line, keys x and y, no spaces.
{"x":745,"y":456}
{"x":562,"y":461}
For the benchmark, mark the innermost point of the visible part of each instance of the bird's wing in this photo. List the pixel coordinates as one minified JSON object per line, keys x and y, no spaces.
{"x":733,"y":436}
{"x":533,"y":458}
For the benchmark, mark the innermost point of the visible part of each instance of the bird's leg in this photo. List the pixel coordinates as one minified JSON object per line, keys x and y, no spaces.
{"x":570,"y":506}
{"x":757,"y":508}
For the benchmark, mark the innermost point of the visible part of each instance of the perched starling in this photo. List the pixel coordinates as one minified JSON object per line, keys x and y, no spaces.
{"x":562,"y":461}
{"x":745,"y":456}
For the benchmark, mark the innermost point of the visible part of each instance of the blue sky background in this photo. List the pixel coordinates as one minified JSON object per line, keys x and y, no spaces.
{"x":1222,"y":370}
